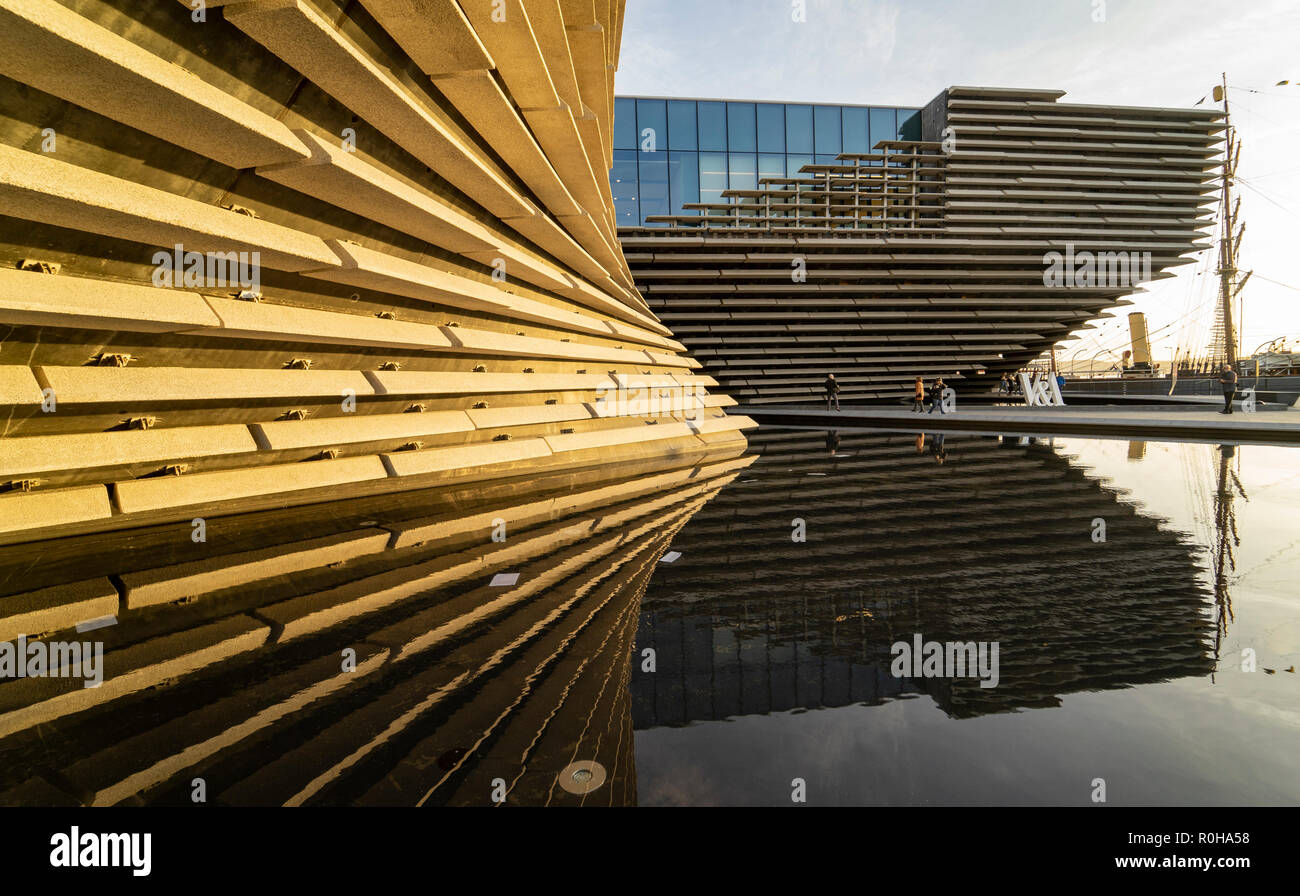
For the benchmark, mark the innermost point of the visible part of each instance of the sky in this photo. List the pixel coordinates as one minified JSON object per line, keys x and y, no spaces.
{"x":1141,"y":52}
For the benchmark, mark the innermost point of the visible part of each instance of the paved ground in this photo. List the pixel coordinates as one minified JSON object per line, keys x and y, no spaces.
{"x":1281,"y":427}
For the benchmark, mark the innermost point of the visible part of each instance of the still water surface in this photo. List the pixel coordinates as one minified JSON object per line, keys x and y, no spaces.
{"x":1121,"y":659}
{"x":700,"y":629}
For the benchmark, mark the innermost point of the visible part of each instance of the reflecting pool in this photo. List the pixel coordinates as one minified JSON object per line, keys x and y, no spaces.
{"x":857,"y":617}
{"x":1130,"y":588}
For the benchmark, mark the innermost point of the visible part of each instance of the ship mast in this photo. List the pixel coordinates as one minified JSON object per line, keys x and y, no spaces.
{"x":1225,"y":341}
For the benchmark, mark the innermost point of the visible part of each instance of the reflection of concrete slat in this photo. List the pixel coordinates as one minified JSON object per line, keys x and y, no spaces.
{"x":410,"y":779}
{"x":297,"y":776}
{"x":158,"y":755}
{"x":315,"y":612}
{"x":56,"y":609}
{"x":469,"y":662}
{"x":561,"y":706}
{"x":413,"y":532}
{"x":172,"y":583}
{"x":34,"y":701}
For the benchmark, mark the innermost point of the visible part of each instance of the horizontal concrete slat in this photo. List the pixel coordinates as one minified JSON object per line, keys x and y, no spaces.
{"x":35,"y":299}
{"x":468,"y":457}
{"x":219,"y":488}
{"x":35,"y":187}
{"x":30,"y":511}
{"x":19,"y":387}
{"x":51,"y":47}
{"x":39,"y":454}
{"x":302,"y":37}
{"x":290,"y":434}
{"x":417,"y":383}
{"x":136,"y":385}
{"x":265,"y":321}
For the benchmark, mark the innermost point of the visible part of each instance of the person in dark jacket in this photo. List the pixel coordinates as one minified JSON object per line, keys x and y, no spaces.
{"x":918,"y":396}
{"x":936,"y":396}
{"x":832,"y":391}
{"x":1228,"y":379}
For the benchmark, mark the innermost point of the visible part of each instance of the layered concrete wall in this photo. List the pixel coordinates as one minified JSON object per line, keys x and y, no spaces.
{"x":933,"y":258}
{"x":414,"y":197}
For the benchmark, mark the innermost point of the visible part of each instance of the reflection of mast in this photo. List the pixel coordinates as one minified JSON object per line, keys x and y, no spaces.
{"x":1225,"y":541}
{"x":1223,"y":340}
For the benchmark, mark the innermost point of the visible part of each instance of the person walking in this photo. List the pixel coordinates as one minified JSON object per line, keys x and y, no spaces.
{"x":936,"y":396}
{"x":1228,"y":379}
{"x":832,"y":391}
{"x":918,"y":396}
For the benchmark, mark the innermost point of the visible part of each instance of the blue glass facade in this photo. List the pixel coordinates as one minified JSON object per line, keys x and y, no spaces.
{"x":670,"y":153}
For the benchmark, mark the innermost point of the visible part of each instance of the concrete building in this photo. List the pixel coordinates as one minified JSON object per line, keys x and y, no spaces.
{"x":1012,"y":220}
{"x":261,"y":254}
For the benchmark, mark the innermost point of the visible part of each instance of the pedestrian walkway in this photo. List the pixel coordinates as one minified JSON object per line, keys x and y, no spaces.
{"x":1156,"y":423}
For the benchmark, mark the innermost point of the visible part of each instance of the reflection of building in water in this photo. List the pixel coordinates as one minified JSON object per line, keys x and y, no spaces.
{"x":231,"y":661}
{"x":995,"y":545}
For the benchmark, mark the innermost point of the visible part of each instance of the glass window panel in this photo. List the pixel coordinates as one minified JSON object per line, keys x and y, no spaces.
{"x":744,"y":171}
{"x":713,"y":126}
{"x":654,"y":183}
{"x":771,"y":165}
{"x":828,"y":130}
{"x":681,"y":125}
{"x":909,"y":124}
{"x":740,"y":127}
{"x":826,"y":159}
{"x":794,"y":162}
{"x":883,"y":125}
{"x":683,"y":179}
{"x":798,"y":129}
{"x":713,"y":175}
{"x":623,"y":183}
{"x":771,"y":127}
{"x":625,"y":124}
{"x":855,"y":130}
{"x":652,"y":125}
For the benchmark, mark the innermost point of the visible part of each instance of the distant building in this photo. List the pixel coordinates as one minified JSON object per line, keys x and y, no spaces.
{"x":967,"y":250}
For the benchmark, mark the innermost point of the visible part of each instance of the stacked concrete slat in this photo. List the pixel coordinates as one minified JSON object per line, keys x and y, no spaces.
{"x":928,"y":258}
{"x":424,"y":185}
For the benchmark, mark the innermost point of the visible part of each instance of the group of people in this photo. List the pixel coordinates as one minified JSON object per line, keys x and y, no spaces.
{"x":1010,"y":385}
{"x":930,"y":398}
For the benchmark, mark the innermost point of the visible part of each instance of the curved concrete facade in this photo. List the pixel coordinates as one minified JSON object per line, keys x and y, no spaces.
{"x":274,"y":252}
